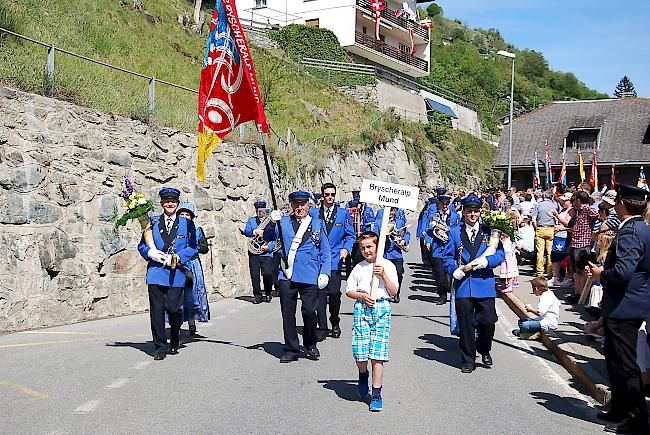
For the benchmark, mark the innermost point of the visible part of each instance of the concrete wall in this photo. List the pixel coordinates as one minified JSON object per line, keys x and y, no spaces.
{"x":467,"y":118}
{"x":406,"y":103}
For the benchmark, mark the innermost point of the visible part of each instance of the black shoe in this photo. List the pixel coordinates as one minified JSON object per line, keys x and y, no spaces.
{"x":289,"y":357}
{"x":159,"y":356}
{"x":487,"y":360}
{"x":268,"y":298}
{"x":441,"y":300}
{"x":336,"y":331}
{"x":173,"y":349}
{"x":516,"y":332}
{"x":572,"y":299}
{"x":468,"y":368}
{"x":193,"y":329}
{"x":313,"y":354}
{"x":627,"y":426}
{"x":257,"y":300}
{"x":396,"y":298}
{"x":611,"y":416}
{"x":321,"y":335}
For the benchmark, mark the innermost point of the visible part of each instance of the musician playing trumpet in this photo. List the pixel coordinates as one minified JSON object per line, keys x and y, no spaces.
{"x":398,"y":241}
{"x":436,"y":237}
{"x":475,"y":289}
{"x":260,"y":261}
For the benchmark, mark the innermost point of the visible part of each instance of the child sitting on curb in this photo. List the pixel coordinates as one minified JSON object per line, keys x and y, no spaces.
{"x":548,"y":312}
{"x":371,"y":324}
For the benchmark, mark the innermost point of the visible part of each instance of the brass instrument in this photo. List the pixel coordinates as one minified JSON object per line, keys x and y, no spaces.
{"x":256,"y":244}
{"x":396,"y":235}
{"x":439,"y":227}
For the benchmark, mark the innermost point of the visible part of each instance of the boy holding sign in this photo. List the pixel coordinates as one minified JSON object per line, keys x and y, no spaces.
{"x":371,"y":324}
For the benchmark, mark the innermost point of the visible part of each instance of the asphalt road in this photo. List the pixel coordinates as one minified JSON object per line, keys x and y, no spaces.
{"x":99,"y":377}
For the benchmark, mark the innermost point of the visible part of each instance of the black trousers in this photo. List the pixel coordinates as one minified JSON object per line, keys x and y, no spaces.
{"x":425,"y":254}
{"x":330,"y":295}
{"x":441,"y":277}
{"x":264,"y":265}
{"x":476,"y":320}
{"x":288,"y":301}
{"x":165,"y":299}
{"x":399,"y":265}
{"x":624,"y":373}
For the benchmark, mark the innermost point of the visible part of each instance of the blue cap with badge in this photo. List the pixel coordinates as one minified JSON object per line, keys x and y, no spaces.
{"x":260,"y":204}
{"x":299,"y":196}
{"x":472,"y":201}
{"x":442,"y":199}
{"x":169,"y":193}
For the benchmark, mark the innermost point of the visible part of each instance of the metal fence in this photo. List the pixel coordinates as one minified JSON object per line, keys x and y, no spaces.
{"x":354,"y":68}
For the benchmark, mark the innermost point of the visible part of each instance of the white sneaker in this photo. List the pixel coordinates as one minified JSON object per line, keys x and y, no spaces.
{"x":553,"y":283}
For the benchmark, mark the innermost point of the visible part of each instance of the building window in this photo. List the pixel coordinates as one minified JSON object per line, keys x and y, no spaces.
{"x":312,"y":23}
{"x":583,"y":139}
{"x":260,"y":3}
{"x":363,"y":29}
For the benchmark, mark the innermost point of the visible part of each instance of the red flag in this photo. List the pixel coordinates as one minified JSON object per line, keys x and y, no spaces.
{"x":229,"y":94}
{"x":377,"y":7}
{"x":562,"y":177}
{"x":613,"y":181}
{"x":398,"y":12}
{"x":593,"y":177}
{"x":410,"y":27}
{"x":427,"y":24}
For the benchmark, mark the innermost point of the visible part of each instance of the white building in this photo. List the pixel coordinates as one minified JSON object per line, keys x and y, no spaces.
{"x":353,"y":23}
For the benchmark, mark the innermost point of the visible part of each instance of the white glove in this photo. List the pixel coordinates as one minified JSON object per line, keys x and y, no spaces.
{"x":276,"y":215}
{"x":168,"y":260}
{"x":323,"y":280}
{"x":157,"y":255}
{"x":458,"y":274}
{"x":481,"y":263}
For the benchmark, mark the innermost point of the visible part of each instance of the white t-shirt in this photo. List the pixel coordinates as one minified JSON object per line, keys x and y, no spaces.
{"x":550,"y":306}
{"x":526,"y":207}
{"x":360,"y":278}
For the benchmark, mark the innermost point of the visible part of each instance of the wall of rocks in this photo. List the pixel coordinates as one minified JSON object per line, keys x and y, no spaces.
{"x":61,"y":172}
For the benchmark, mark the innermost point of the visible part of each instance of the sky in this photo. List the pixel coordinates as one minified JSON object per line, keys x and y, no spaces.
{"x":599,"y":41}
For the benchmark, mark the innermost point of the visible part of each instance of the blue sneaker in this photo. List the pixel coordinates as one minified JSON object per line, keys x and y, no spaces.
{"x":376,"y":404}
{"x":363,"y":389}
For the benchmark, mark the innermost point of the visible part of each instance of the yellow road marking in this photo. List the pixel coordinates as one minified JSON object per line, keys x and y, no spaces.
{"x":41,"y":343}
{"x":25,"y":390}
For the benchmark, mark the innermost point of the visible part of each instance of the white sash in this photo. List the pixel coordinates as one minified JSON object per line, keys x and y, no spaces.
{"x":295,"y":244}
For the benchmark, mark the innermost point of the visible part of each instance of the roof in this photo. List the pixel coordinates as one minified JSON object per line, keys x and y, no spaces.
{"x":624,"y":132}
{"x":442,"y":108}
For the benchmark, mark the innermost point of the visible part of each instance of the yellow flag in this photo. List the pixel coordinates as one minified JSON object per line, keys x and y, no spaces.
{"x":582,"y":167}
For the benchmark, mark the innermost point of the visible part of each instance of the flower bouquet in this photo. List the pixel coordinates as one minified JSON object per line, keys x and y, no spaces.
{"x":499,"y":223}
{"x":136,"y":207}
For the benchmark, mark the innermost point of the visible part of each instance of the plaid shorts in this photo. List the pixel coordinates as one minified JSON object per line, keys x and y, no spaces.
{"x":370,"y":331}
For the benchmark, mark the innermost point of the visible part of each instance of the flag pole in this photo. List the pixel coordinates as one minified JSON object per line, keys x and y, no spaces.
{"x":268,"y":167}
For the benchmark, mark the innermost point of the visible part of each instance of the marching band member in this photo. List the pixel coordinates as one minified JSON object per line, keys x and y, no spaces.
{"x":396,"y":244}
{"x":173,"y":236}
{"x":260,"y":262}
{"x":305,"y":267}
{"x":367,"y":212}
{"x":421,"y":232}
{"x":341,"y":236}
{"x":475,"y":290}
{"x":436,"y":246}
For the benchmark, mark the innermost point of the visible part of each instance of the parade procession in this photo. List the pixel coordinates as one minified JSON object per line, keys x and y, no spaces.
{"x":329,"y":216}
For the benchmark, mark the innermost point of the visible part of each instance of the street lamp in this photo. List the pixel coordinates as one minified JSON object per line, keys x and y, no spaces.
{"x":512,"y":56}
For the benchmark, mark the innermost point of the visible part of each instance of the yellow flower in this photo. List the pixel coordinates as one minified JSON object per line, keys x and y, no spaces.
{"x":131,"y":196}
{"x":141,"y":195}
{"x":131,"y":205}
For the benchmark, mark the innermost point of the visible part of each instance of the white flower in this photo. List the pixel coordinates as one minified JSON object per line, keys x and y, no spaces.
{"x":142,"y":201}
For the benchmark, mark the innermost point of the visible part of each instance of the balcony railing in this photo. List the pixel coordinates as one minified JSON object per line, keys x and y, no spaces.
{"x":394,"y":52}
{"x":400,"y":21}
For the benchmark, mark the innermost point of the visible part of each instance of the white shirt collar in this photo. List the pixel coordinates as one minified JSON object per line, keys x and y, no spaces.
{"x":469,"y":229}
{"x":627,"y":219}
{"x":172,"y":217}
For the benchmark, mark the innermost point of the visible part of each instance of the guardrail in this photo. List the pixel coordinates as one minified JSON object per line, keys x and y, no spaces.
{"x":338,"y":66}
{"x":394,"y":52}
{"x":51,"y":50}
{"x":388,"y":15}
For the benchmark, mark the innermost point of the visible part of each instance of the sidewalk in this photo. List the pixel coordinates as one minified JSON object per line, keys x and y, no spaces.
{"x":581,"y":357}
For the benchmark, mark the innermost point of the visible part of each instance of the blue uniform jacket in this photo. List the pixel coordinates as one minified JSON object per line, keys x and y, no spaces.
{"x":251,"y":225}
{"x":625,"y":280}
{"x":425,"y":218}
{"x":437,"y":246}
{"x":340,"y":233}
{"x":392,"y":251}
{"x":184,"y":245}
{"x":313,"y":255}
{"x":476,"y":283}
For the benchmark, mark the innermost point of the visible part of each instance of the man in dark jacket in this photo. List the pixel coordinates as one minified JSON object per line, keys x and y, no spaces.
{"x":625,"y":278}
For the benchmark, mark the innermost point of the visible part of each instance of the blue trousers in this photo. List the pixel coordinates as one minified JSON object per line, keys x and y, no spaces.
{"x":529,"y":325}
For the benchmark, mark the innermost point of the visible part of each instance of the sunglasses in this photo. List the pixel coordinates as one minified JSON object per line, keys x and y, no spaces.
{"x":329,"y":194}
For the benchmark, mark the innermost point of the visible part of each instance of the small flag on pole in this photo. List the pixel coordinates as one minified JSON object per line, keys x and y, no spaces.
{"x":613,"y":180}
{"x":581,"y":167}
{"x":536,"y":177}
{"x":229,"y":94}
{"x":410,"y":27}
{"x":549,"y":168}
{"x":562,"y":177}
{"x":593,"y":178}
{"x":642,"y":183}
{"x":377,"y":7}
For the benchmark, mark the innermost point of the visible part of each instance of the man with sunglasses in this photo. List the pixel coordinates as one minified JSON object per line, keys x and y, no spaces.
{"x":341,"y":237}
{"x":474,"y":290}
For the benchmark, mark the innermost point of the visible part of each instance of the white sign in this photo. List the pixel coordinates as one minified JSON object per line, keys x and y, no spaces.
{"x":389,"y":195}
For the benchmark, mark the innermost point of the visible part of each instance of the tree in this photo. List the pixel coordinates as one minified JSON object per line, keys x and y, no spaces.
{"x":433,"y":10}
{"x":625,"y":89}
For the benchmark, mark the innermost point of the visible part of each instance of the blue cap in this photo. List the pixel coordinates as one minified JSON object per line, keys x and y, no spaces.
{"x":441,"y":191}
{"x":443,"y":199}
{"x":299,"y":196}
{"x":260,"y":204}
{"x":432,"y":199}
{"x":625,"y":191}
{"x":472,"y":201}
{"x":169,"y":193}
{"x":188,"y":207}
{"x":356,"y":194}
{"x":353,"y":203}
{"x":317,"y":196}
